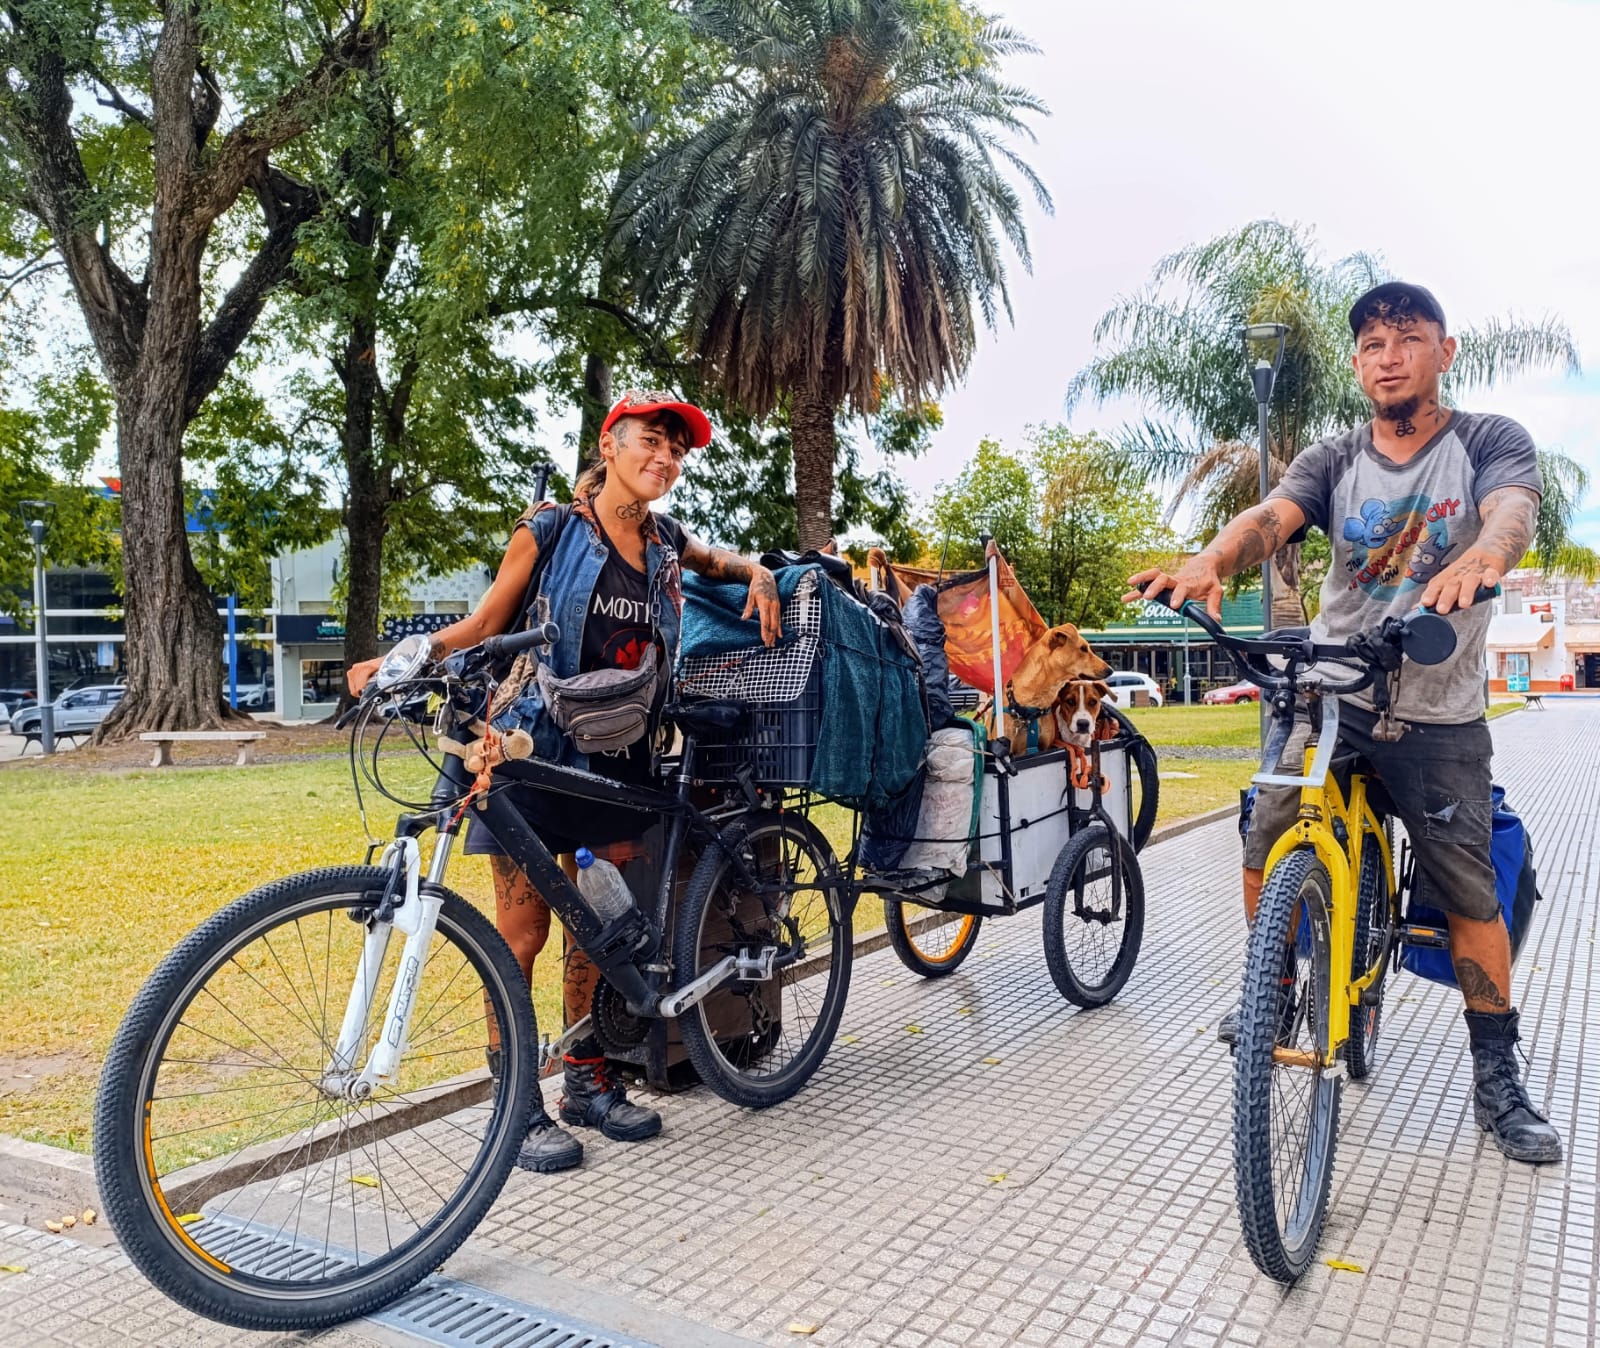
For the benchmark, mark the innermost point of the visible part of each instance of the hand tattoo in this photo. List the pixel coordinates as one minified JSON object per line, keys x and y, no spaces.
{"x":1477,"y":986}
{"x":765,"y":586}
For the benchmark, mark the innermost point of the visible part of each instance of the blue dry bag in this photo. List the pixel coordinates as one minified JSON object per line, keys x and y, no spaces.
{"x":1515,"y":885}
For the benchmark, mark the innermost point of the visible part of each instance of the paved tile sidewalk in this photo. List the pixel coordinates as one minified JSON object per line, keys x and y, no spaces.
{"x":1078,"y":1188}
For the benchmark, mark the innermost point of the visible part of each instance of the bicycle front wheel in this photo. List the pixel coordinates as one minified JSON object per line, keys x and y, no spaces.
{"x":1285,"y":1097}
{"x":239,"y":1173}
{"x":757,"y":1041}
{"x":1093,"y":916}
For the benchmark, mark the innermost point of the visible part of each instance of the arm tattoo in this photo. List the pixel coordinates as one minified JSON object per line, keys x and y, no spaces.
{"x":1477,"y":986}
{"x":1509,"y":516}
{"x":1259,"y":536}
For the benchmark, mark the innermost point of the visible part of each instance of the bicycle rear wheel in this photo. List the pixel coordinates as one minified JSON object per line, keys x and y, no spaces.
{"x":927,"y":941}
{"x":238,"y":1176}
{"x":756,"y":1042}
{"x":1285,"y":1106}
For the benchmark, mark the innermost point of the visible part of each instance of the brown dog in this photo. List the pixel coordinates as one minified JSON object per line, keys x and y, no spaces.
{"x":1053,"y":661}
{"x":1077,"y":712}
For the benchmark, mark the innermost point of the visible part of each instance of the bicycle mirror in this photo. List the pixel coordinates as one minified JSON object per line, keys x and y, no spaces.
{"x":1428,"y":639}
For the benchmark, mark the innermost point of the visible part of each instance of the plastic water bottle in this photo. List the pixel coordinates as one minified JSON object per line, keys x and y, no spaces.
{"x":602,"y":886}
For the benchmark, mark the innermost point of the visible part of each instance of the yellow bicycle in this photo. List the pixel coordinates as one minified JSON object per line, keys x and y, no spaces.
{"x":1325,"y":932}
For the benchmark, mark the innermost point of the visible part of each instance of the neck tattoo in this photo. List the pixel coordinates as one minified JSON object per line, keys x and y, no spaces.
{"x":1405,"y":426}
{"x":631,"y":510}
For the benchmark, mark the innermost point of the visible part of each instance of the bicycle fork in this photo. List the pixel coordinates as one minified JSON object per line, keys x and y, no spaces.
{"x":406,"y":908}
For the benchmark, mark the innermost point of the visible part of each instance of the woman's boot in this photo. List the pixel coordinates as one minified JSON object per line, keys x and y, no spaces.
{"x":594,"y":1098}
{"x":548,"y":1147}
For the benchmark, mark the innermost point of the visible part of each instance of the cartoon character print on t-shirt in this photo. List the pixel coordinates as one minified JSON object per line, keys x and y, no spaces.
{"x":1396,"y":545}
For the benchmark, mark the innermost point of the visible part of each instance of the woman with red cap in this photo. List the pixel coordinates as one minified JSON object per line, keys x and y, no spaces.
{"x":611,"y":583}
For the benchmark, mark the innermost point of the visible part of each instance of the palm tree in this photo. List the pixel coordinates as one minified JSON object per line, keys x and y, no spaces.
{"x":831,"y":229}
{"x":1175,"y":346}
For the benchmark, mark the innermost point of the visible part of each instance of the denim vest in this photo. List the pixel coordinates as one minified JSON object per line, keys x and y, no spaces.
{"x":566,"y":588}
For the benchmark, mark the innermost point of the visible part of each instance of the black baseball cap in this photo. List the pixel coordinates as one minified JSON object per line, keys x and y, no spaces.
{"x":1398,"y":298}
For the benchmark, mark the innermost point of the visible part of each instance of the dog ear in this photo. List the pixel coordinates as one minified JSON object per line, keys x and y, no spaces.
{"x":1101,"y":690}
{"x":1058,"y":638}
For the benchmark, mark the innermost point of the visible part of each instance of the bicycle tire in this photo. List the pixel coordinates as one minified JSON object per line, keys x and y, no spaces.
{"x":200,"y":1260}
{"x":734,"y":1050}
{"x":1075,"y":903}
{"x":1149,"y":770}
{"x":1281,"y":1230}
{"x":929,"y":962}
{"x":1374,"y":930}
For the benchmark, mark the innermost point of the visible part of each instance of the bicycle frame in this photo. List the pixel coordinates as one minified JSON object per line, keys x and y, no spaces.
{"x":1324,"y":815}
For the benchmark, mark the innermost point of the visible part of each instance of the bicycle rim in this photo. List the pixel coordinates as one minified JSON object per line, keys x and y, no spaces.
{"x":933,"y":942}
{"x":242,"y":1181}
{"x":762,"y":1039}
{"x":1094,"y":917}
{"x":1286,"y":1106}
{"x":1374,"y":931}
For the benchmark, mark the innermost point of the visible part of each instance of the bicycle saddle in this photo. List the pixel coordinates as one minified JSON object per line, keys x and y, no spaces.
{"x":705,"y":718}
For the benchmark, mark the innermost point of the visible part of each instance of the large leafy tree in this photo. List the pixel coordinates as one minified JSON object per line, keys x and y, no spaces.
{"x":130,"y":134}
{"x":1174,"y":346}
{"x":830,"y":224}
{"x":1069,"y":516}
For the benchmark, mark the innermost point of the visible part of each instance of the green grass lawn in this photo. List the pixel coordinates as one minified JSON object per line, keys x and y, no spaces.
{"x":1235,"y":727}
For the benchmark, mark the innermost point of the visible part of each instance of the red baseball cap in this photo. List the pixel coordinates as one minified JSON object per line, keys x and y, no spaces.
{"x":635,"y":403}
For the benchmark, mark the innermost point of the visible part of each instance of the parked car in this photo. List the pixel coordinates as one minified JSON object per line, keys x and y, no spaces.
{"x":13,"y":700}
{"x":1243,"y":691}
{"x":1126,"y":682}
{"x":75,"y":713}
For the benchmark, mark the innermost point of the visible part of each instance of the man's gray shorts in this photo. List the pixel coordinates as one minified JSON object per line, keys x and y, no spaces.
{"x":1435,"y":780}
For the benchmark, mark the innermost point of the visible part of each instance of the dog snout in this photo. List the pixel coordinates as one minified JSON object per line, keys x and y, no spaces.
{"x":1081,"y":725}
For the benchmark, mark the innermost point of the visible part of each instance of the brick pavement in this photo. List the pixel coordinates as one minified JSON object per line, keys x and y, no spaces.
{"x":1018,"y":1171}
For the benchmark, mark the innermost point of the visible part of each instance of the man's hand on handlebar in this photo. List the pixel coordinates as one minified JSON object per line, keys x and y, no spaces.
{"x":1197,"y":579}
{"x":1463,"y":582}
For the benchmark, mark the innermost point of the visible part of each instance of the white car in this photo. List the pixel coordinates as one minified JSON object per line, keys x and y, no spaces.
{"x":1125,"y":683}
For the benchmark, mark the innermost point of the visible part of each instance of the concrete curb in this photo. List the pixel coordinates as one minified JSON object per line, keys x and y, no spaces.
{"x":40,"y":1183}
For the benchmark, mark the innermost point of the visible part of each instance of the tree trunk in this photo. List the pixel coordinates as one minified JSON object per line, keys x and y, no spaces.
{"x":597,"y":399}
{"x":1288,"y":607}
{"x":173,"y":644}
{"x":366,"y":507}
{"x":811,"y":423}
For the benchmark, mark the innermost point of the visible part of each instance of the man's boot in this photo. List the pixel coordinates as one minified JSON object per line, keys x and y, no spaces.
{"x":594,"y":1098}
{"x":1499,"y":1101}
{"x":548,"y":1147}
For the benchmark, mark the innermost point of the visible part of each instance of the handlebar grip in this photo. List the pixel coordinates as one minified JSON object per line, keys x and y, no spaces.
{"x":514,"y":643}
{"x":1482,"y":595}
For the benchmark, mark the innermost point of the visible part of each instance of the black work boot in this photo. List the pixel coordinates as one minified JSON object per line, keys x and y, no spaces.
{"x":548,"y":1147}
{"x":594,"y":1098}
{"x":1498,"y":1099}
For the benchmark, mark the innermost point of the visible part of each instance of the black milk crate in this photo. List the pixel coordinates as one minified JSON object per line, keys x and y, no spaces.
{"x":777,"y":741}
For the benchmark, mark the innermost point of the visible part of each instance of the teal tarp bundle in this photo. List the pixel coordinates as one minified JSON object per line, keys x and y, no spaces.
{"x":872,"y":734}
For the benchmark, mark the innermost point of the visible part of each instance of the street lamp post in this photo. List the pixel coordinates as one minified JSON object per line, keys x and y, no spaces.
{"x":40,"y":511}
{"x":1258,"y":338}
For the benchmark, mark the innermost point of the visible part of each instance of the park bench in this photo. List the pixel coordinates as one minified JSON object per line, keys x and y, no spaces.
{"x":164,"y":740}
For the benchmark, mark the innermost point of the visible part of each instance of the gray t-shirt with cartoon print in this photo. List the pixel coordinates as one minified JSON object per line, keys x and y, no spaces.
{"x":1395,"y":526}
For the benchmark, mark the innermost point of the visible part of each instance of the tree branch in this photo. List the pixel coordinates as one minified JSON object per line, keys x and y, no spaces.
{"x":247,"y":146}
{"x":287,"y":204}
{"x":18,"y":277}
{"x":118,"y":101}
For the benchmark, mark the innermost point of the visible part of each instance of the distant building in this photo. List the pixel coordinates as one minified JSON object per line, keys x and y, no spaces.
{"x":290,"y":659}
{"x":1157,"y":642}
{"x":1544,"y":636}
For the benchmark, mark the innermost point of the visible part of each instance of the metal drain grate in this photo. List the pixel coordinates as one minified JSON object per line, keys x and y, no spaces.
{"x":438,"y":1310}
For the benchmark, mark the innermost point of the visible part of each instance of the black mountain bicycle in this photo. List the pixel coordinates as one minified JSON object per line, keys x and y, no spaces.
{"x":248,"y":1126}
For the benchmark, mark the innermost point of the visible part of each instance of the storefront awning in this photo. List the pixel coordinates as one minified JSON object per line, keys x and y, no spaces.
{"x":1583,"y":637}
{"x":1520,"y":632}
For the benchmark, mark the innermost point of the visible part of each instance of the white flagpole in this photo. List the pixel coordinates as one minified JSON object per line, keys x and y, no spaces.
{"x":994,"y":637}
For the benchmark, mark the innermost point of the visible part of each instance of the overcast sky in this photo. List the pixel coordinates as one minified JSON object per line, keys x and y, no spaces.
{"x":1457,"y":140}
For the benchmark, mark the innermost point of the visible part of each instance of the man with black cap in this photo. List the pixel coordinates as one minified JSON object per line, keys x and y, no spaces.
{"x":1423,"y":505}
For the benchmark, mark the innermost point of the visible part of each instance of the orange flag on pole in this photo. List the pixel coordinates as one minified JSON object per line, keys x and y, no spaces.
{"x":968,"y":621}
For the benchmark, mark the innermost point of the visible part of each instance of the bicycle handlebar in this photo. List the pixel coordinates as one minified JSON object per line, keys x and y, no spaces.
{"x":1423,"y":636}
{"x":514,"y":643}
